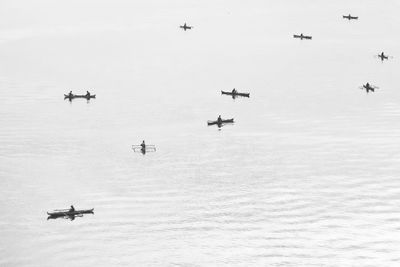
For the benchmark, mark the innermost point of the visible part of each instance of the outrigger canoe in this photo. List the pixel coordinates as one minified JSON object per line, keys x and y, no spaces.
{"x":235,"y":94}
{"x":79,"y":96}
{"x":145,"y":149}
{"x":219,"y":123}
{"x":67,"y":213}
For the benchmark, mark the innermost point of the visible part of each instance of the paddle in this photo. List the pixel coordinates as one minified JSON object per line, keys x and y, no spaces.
{"x":140,"y":146}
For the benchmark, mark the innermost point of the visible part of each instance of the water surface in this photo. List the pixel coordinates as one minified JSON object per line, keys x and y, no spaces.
{"x":307,"y":176}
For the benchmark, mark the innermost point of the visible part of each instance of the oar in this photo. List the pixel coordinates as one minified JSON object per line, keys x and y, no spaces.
{"x":141,"y":145}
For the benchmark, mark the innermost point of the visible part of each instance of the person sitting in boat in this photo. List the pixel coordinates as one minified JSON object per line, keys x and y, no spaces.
{"x":72,"y":209}
{"x":219,"y":120}
{"x":234,"y":91}
{"x":143,"y":145}
{"x":367,"y":85}
{"x":87,"y":94}
{"x":70,"y":94}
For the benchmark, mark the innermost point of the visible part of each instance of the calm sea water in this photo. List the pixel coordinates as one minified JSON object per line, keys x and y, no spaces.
{"x":307,"y":176}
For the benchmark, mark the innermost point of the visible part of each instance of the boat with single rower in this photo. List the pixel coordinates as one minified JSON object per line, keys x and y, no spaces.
{"x":62,"y":213}
{"x":219,"y":122}
{"x":144,"y":149}
{"x":235,"y":94}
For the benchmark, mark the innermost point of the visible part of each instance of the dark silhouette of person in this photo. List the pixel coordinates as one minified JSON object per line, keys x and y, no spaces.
{"x":368,"y":87}
{"x":87,"y":94}
{"x":219,"y":120}
{"x":143,"y":147}
{"x":72,"y":209}
{"x":70,"y":94}
{"x":234,"y":91}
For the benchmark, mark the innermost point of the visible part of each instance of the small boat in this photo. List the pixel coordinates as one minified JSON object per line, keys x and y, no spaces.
{"x":79,"y":96}
{"x":235,"y":94}
{"x":368,"y":87}
{"x":382,"y":56}
{"x":186,"y":27}
{"x":350,"y":17}
{"x":68,"y":213}
{"x":301,"y":36}
{"x":219,"y":123}
{"x":145,"y":149}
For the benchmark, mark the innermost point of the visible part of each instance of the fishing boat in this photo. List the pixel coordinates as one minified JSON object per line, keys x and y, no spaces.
{"x":144,"y":149}
{"x":350,"y":17}
{"x":68,"y":213}
{"x":235,"y":94}
{"x":219,"y":122}
{"x":301,"y":36}
{"x":79,"y":96}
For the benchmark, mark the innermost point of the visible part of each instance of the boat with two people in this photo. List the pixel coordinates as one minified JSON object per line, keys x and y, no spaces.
{"x":71,"y":96}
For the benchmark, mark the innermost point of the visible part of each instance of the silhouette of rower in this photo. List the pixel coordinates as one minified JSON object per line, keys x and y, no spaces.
{"x":219,"y":120}
{"x":234,"y":91}
{"x":70,"y":94}
{"x":87,"y":94}
{"x":72,"y":209}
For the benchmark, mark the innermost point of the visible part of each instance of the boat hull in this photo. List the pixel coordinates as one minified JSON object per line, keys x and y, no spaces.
{"x":302,"y":37}
{"x":235,"y":94}
{"x":349,"y":17}
{"x":69,"y":213}
{"x":219,"y":123}
{"x":144,"y":150}
{"x":79,"y":96}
